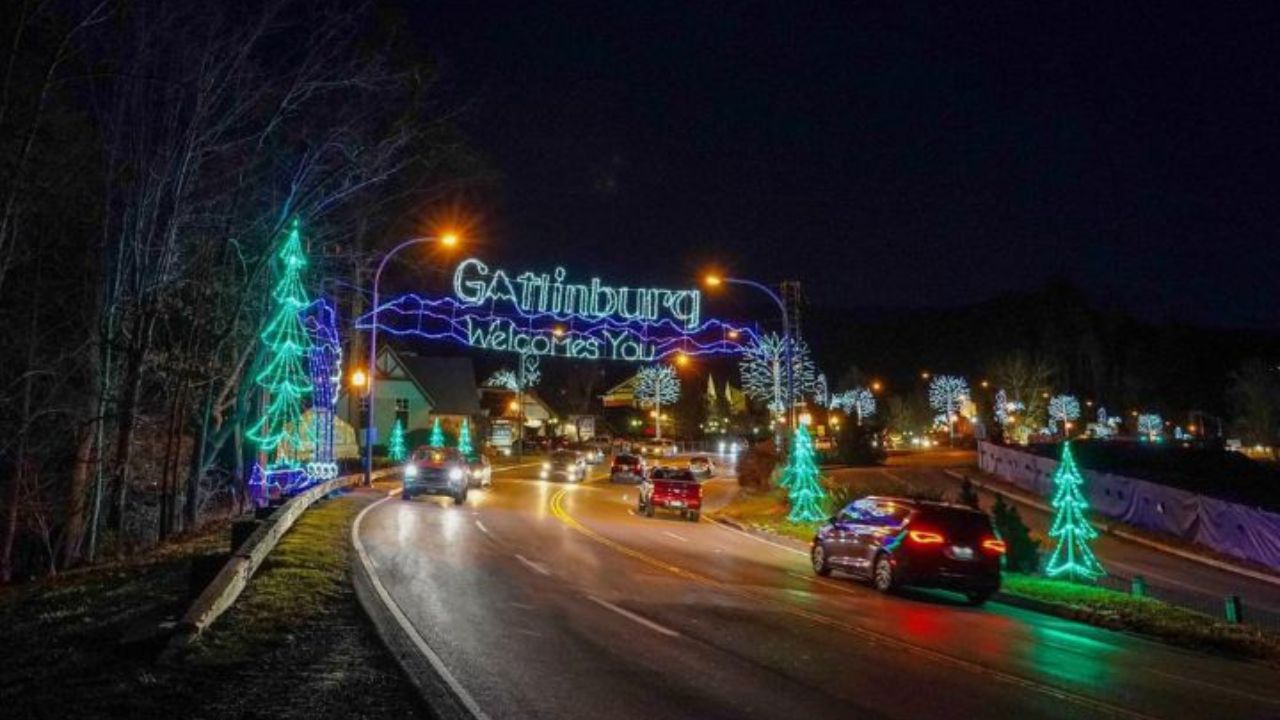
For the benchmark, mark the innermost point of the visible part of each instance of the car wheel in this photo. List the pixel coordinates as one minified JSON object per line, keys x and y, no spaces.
{"x":883,"y":577}
{"x":648,"y":510}
{"x":693,"y":515}
{"x":460,"y":498}
{"x":818,"y":556}
{"x":405,"y":496}
{"x":977,"y":597}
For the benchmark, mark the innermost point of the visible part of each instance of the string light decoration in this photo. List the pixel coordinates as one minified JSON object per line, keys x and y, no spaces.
{"x":1072,"y":555}
{"x":947,"y":394}
{"x":858,"y":402}
{"x":321,"y":321}
{"x":821,"y":393}
{"x":801,"y":479}
{"x":1105,"y":427}
{"x":657,"y":385}
{"x":437,"y":435}
{"x":285,"y":378}
{"x":1064,"y":409}
{"x":1150,"y":427}
{"x":764,"y":372}
{"x":464,"y":439}
{"x":608,"y":337}
{"x":511,"y":379}
{"x":396,"y":450}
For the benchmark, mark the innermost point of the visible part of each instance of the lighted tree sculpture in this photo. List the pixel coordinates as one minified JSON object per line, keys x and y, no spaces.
{"x":464,"y":439}
{"x":437,"y":435}
{"x":801,"y":479}
{"x":285,"y":377}
{"x":657,"y":385}
{"x":396,"y":449}
{"x":1071,"y":528}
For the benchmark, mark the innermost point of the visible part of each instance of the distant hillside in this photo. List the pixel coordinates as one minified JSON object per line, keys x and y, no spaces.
{"x":1103,"y":353}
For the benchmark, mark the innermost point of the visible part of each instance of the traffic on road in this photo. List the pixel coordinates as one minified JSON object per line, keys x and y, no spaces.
{"x":563,"y":593}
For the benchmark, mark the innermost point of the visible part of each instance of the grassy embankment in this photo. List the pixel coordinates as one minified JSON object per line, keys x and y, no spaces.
{"x":295,"y":645}
{"x":767,"y":511}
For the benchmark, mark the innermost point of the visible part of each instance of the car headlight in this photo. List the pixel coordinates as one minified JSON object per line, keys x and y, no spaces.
{"x":411,"y":471}
{"x":455,"y":473}
{"x":546,"y":466}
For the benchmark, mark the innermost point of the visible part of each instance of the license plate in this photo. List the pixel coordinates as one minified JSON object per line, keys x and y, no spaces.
{"x":676,"y":503}
{"x":961,"y":552}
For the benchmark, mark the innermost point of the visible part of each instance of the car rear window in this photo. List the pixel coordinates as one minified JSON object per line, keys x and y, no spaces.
{"x":627,"y":460}
{"x":954,"y":521}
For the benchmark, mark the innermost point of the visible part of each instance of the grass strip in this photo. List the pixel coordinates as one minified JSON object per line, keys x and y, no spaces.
{"x":1089,"y":604}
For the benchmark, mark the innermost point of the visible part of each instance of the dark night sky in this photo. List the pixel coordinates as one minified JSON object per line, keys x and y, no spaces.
{"x":914,"y":154}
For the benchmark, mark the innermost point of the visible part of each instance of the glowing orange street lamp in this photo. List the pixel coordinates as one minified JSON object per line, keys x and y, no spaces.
{"x":876,"y":386}
{"x":448,"y":240}
{"x":358,"y":378}
{"x":557,"y":331}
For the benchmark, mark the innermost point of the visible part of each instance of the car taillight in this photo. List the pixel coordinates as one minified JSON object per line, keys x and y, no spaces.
{"x":924,"y":537}
{"x":993,"y":545}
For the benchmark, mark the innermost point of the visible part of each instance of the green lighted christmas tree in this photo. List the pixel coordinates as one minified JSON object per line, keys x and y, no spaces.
{"x":437,"y":435}
{"x":284,"y":379}
{"x":1071,"y":528}
{"x":464,"y":439}
{"x":800,"y":477}
{"x":396,"y":450}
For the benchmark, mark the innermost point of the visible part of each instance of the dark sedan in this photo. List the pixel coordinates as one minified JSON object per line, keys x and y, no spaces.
{"x":898,"y":541}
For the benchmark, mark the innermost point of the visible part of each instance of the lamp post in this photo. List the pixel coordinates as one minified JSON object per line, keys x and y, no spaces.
{"x":448,"y":240}
{"x":716,"y":280}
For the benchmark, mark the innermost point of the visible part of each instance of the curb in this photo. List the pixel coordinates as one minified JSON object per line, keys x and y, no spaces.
{"x":233,"y":578}
{"x":1020,"y":496}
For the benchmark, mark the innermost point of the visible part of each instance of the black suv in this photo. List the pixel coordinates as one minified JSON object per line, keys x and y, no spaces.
{"x":898,"y":541}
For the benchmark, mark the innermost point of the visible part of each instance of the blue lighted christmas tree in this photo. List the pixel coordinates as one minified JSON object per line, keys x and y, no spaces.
{"x":1071,"y":528}
{"x":464,"y":439}
{"x":801,"y":479}
{"x":396,"y":449}
{"x":437,"y":435}
{"x":285,"y":377}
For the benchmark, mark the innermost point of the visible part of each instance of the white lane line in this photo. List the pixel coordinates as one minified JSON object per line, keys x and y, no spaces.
{"x":632,"y":616}
{"x":515,"y":467}
{"x":419,"y":642}
{"x":671,"y":534}
{"x":760,"y":539}
{"x":483,"y":529}
{"x":534,"y":566}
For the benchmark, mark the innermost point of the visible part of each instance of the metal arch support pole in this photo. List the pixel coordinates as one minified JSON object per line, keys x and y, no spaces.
{"x":371,"y":422}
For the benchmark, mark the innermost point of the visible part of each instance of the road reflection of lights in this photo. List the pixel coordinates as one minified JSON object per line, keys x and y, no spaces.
{"x":406,"y":522}
{"x":451,"y":520}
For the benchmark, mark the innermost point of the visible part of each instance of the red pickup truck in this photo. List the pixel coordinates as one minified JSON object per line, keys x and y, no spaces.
{"x":671,"y":489}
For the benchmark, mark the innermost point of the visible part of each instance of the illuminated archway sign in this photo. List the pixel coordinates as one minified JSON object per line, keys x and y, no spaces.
{"x":540,"y":314}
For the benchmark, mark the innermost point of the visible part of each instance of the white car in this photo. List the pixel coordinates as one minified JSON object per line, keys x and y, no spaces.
{"x":701,"y":466}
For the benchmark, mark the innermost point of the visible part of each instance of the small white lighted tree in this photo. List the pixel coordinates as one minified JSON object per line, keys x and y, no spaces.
{"x":1063,"y":409}
{"x":821,"y":393}
{"x":657,"y":385}
{"x":947,"y":394}
{"x":1150,"y":427}
{"x":514,"y":380}
{"x":858,"y":402}
{"x":764,"y":371}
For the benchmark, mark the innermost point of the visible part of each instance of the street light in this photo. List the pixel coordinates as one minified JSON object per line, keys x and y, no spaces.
{"x":712,"y":281}
{"x":448,"y":240}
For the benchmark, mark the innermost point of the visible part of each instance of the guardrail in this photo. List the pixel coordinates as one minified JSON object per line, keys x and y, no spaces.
{"x":227,"y":585}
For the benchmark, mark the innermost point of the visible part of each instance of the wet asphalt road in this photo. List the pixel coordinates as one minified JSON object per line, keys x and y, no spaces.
{"x":547,"y":600}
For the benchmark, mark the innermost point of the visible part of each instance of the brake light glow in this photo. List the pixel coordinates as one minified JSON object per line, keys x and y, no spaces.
{"x":993,"y":545}
{"x":923,"y":537}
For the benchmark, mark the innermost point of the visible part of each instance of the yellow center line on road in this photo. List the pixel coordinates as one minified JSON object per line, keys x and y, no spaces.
{"x":558,"y":510}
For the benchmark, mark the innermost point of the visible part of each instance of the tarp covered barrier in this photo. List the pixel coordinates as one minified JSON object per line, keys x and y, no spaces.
{"x":1229,"y":528}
